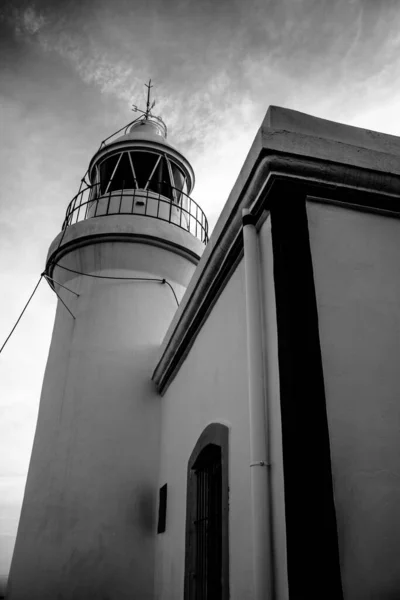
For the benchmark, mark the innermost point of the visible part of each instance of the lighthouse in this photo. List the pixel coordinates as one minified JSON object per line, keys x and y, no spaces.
{"x":129,"y":244}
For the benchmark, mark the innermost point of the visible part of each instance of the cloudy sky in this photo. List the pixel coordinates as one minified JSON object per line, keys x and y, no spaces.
{"x":69,"y":73}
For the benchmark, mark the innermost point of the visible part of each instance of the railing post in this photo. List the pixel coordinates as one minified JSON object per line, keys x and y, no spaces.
{"x":170,"y":211}
{"x":120,"y":199}
{"x":87,"y":203}
{"x":158,"y":203}
{"x":108,"y":203}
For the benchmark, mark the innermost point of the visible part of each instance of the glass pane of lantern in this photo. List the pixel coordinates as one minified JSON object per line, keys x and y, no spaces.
{"x":160,"y":181}
{"x":143,"y":163}
{"x":123,"y":176}
{"x":106,"y":170}
{"x":179,"y":178}
{"x":179,"y":182}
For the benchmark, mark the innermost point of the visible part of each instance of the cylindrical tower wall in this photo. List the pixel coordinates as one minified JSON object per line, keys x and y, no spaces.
{"x":88,"y":523}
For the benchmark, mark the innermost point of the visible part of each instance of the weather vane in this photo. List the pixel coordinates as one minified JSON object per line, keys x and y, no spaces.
{"x":147,"y":113}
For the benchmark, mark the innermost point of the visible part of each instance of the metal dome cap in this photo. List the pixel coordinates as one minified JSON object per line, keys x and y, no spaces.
{"x":145,"y":129}
{"x":149,"y":126}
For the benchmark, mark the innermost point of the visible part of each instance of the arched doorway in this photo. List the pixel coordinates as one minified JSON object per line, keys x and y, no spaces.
{"x":207,"y":527}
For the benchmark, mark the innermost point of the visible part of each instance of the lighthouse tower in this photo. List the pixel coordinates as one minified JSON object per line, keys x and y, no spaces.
{"x":129,"y":244}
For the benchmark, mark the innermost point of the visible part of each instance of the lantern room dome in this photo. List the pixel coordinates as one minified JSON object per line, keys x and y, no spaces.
{"x":149,"y":130}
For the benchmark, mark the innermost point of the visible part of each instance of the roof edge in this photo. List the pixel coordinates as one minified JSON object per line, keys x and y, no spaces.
{"x":285,"y":146}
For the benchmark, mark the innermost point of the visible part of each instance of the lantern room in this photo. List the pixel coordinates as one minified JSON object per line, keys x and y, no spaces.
{"x":142,"y":159}
{"x":137,"y":172}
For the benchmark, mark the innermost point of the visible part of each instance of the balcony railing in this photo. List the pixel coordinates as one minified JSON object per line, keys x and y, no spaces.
{"x":182,"y":211}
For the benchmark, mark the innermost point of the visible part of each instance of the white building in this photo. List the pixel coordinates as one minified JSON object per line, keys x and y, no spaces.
{"x":246,"y":443}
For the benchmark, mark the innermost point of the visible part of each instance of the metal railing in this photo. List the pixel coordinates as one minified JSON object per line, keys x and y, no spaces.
{"x":181,"y":211}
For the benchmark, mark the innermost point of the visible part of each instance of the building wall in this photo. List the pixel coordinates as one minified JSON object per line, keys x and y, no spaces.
{"x":212,"y":386}
{"x":88,"y":522}
{"x":356,"y":269}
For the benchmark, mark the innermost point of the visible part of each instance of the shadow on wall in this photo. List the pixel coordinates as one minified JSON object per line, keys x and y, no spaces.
{"x":141,"y":510}
{"x":3,"y":585}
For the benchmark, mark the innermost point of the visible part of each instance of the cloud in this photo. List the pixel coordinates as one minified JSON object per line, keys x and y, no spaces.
{"x":31,"y":21}
{"x":208,"y":59}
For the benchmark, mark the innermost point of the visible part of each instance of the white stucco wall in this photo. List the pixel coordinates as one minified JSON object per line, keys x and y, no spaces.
{"x":87,"y":526}
{"x":356,"y":259}
{"x":211,"y":386}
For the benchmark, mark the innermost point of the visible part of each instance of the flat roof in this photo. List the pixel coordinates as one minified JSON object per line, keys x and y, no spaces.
{"x":284,"y":119}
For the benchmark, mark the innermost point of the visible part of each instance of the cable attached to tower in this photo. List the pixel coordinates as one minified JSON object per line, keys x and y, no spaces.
{"x":156,"y":280}
{"x":23,"y":310}
{"x":58,"y":296}
{"x":48,"y":279}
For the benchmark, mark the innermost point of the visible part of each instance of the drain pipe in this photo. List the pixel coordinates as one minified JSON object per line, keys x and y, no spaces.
{"x":259,"y":459}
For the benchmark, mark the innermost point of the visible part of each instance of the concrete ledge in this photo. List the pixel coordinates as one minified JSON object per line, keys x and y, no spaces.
{"x":125,"y":228}
{"x":279,"y":122}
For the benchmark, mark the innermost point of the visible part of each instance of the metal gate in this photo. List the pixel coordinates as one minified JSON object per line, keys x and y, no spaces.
{"x":208,"y":525}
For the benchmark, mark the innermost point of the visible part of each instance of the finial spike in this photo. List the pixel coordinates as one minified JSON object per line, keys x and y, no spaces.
{"x":148,"y":109}
{"x":147,"y":114}
{"x":149,"y":105}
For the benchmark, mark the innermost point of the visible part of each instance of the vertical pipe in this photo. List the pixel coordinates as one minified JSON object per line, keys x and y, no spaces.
{"x":259,"y":460}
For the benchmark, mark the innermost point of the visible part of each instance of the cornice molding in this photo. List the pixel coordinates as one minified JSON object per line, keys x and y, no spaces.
{"x":136,"y":229}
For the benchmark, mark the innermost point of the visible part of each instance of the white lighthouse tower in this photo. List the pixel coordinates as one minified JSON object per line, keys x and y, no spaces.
{"x":129,"y":245}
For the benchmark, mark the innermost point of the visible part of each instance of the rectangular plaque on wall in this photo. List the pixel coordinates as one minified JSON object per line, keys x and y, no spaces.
{"x":162,"y":509}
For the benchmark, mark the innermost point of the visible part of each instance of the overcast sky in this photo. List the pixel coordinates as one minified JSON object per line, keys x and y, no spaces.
{"x":69,"y":73}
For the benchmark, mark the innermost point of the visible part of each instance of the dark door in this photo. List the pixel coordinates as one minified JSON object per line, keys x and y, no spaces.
{"x":207,"y":576}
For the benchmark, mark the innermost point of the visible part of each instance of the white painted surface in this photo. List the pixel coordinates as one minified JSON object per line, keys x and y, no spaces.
{"x":132,"y":228}
{"x":278,"y":520}
{"x":356,"y":259}
{"x":211,"y":386}
{"x":87,"y":527}
{"x":89,"y":518}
